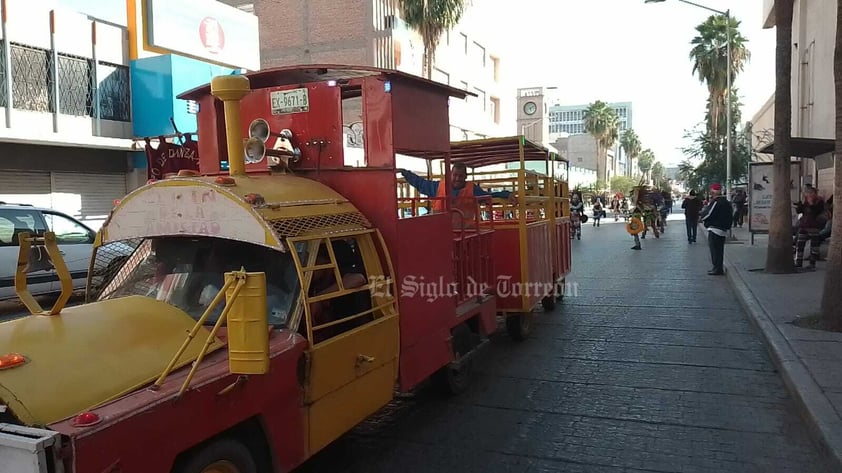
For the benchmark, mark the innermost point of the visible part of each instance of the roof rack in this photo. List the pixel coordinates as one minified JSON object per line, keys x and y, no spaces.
{"x":13,"y":203}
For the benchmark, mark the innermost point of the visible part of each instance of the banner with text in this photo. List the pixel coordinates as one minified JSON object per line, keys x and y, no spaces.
{"x":761,"y":183}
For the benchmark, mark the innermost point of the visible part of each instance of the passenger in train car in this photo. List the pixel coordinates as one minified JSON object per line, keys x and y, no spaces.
{"x":461,"y":188}
{"x":324,"y":282}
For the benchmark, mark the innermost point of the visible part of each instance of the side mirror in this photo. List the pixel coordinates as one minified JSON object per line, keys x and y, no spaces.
{"x":248,"y":322}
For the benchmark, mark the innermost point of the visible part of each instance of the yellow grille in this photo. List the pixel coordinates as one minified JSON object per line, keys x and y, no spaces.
{"x":296,"y":226}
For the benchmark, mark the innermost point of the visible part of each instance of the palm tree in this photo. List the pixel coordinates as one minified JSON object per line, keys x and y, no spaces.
{"x":431,"y":18}
{"x":832,"y":294}
{"x":658,"y":172}
{"x":645,"y":162}
{"x":630,"y":143}
{"x":779,"y":250}
{"x":601,"y":122}
{"x":710,"y":62}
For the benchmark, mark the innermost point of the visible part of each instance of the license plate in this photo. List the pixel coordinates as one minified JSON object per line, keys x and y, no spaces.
{"x":290,"y":101}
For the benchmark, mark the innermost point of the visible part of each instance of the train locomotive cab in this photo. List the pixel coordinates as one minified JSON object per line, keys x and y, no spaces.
{"x":263,"y":289}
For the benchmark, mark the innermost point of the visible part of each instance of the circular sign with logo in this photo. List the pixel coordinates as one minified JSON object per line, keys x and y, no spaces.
{"x":211,"y":34}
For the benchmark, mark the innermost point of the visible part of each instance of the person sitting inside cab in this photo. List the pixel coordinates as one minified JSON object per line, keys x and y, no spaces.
{"x":324,"y":282}
{"x":464,"y":192}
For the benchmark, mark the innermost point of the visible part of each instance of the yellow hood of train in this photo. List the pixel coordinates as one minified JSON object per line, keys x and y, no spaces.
{"x":90,"y":354}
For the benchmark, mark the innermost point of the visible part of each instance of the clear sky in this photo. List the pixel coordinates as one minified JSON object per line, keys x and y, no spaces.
{"x":626,"y":50}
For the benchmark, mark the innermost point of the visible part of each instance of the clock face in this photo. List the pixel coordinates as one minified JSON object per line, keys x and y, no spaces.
{"x":530,"y":108}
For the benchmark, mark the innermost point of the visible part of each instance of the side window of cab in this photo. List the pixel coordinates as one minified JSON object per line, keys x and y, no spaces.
{"x":339,"y":294}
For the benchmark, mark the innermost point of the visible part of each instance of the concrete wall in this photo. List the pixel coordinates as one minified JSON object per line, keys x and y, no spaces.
{"x":814,"y":38}
{"x":763,"y":129}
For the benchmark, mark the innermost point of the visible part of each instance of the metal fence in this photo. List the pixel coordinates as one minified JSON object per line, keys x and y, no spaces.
{"x":43,"y":80}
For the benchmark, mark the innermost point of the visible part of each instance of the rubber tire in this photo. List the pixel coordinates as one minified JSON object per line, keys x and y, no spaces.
{"x":451,"y":381}
{"x":519,"y":326}
{"x":222,"y":449}
{"x":548,"y":303}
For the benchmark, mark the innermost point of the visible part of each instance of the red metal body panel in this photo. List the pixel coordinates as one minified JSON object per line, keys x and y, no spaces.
{"x":563,"y":260}
{"x":423,"y":254}
{"x":510,"y":283}
{"x":415,"y":110}
{"x":132,"y":422}
{"x":506,"y":267}
{"x":320,"y":127}
{"x":539,"y":251}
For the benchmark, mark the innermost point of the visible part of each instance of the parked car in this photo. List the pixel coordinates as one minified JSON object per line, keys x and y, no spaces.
{"x":75,"y":241}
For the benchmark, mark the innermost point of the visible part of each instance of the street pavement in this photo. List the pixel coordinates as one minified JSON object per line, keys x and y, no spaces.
{"x":808,"y":359}
{"x":651,"y":365}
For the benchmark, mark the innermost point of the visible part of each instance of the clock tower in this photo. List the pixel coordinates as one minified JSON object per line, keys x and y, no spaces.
{"x":533,"y":115}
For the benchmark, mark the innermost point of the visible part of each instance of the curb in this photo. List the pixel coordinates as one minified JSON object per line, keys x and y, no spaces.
{"x":823,"y":422}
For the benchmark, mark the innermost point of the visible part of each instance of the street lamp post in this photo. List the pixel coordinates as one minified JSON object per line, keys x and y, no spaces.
{"x":727,"y":14}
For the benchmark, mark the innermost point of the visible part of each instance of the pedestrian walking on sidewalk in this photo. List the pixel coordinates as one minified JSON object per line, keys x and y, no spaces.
{"x":597,"y":213}
{"x":717,"y":219}
{"x":692,"y":206}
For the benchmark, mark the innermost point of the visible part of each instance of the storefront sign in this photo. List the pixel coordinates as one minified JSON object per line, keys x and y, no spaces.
{"x":204,"y":29}
{"x":761,"y":183}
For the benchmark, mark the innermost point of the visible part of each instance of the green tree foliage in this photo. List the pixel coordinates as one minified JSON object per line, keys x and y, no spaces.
{"x":601,"y":122}
{"x":431,"y":18}
{"x":623,"y":184}
{"x":645,"y":161}
{"x":630,"y":143}
{"x":712,"y":158}
{"x":710,"y":63}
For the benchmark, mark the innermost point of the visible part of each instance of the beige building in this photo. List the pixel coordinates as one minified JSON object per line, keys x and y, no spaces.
{"x":371,"y":33}
{"x":813,"y":104}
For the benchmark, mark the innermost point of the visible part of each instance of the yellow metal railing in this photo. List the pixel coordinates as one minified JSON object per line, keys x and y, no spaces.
{"x":239,"y":277}
{"x":55,"y":259}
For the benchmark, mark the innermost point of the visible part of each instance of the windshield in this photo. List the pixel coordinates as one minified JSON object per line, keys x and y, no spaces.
{"x":188,"y":272}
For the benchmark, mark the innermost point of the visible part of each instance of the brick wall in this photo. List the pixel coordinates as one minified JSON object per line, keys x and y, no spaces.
{"x":314,"y":31}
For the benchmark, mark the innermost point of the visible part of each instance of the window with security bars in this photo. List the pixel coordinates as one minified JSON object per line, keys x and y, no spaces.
{"x":33,"y":72}
{"x":74,"y":78}
{"x":31,"y":78}
{"x":114,"y":92}
{"x":4,"y":101}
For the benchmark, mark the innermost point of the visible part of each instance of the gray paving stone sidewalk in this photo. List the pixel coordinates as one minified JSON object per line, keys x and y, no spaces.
{"x":810,"y":361}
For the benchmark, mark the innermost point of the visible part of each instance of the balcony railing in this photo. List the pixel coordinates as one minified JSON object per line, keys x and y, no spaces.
{"x":41,"y":79}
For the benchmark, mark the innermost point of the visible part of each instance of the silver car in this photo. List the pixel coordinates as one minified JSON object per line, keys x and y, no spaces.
{"x":75,"y":241}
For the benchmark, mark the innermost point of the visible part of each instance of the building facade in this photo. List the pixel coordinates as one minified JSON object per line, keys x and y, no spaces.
{"x":65,"y":110}
{"x":77,"y":99}
{"x":813,"y":92}
{"x":570,"y":120}
{"x":372,"y":33}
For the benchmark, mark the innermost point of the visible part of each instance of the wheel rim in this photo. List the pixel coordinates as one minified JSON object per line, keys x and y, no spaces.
{"x":221,"y":466}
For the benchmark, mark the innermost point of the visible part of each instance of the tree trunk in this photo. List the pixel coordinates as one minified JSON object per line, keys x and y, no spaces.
{"x":601,"y":162}
{"x":779,"y":252}
{"x":832,"y":295}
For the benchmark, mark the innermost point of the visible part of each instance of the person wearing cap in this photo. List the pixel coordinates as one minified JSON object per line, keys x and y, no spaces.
{"x":717,"y":218}
{"x":692,"y":206}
